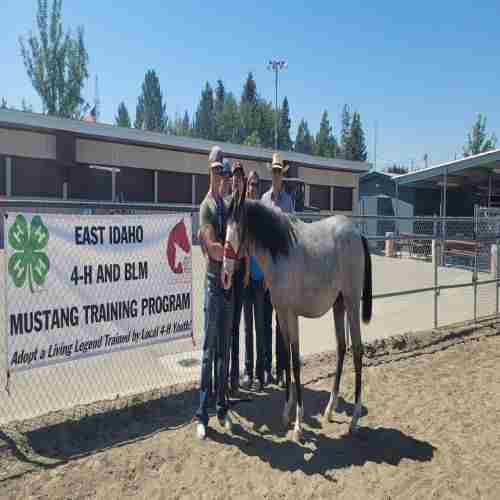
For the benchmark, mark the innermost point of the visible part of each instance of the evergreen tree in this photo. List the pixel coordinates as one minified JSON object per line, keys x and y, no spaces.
{"x":249,"y":90}
{"x":249,"y":112}
{"x":220,"y":93}
{"x":265,"y":123}
{"x":56,"y":63}
{"x":122,"y":119}
{"x":284,"y":124}
{"x":205,"y":114}
{"x":357,"y":145}
{"x":304,"y":141}
{"x":228,"y":121}
{"x":186,"y":124}
{"x":345,"y":133}
{"x":253,"y":140}
{"x":477,"y":139}
{"x":151,"y":111}
{"x":3,"y":104}
{"x":325,"y":142}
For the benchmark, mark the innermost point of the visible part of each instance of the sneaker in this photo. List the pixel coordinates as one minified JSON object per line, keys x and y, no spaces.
{"x":201,"y":431}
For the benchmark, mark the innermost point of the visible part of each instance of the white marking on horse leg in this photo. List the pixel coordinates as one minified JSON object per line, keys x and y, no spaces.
{"x":297,"y":431}
{"x":355,"y":417}
{"x":331,"y":407}
{"x":287,"y":409}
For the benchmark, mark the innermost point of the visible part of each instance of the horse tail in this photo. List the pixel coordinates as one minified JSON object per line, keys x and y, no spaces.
{"x":367,"y":285}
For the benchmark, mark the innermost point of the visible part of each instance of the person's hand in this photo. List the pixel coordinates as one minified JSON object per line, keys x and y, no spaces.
{"x":246,"y":280}
{"x":203,"y":245}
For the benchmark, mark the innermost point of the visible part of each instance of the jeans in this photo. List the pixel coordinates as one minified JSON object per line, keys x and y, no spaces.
{"x":234,"y":355}
{"x":217,"y":331}
{"x":268,"y":339}
{"x":254,"y":307}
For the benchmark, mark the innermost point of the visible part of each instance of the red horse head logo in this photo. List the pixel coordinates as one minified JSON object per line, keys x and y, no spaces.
{"x":178,"y":247}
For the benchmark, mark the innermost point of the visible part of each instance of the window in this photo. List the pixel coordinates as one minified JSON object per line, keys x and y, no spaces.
{"x":342,"y":198}
{"x":37,"y":178}
{"x":174,"y":187}
{"x":86,"y":183}
{"x":319,"y":196}
{"x":135,"y":185}
{"x":3,"y":183}
{"x":201,"y":182}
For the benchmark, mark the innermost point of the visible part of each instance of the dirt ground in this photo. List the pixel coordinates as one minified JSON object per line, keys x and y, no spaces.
{"x":430,"y":430}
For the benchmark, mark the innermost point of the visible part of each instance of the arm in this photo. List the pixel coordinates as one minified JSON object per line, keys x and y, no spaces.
{"x":214,"y":249}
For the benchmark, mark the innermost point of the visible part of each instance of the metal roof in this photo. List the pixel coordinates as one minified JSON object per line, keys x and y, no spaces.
{"x":487,"y":159}
{"x":111,"y":133}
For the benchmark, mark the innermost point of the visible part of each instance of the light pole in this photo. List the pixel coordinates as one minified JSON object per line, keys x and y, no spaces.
{"x":276,"y":65}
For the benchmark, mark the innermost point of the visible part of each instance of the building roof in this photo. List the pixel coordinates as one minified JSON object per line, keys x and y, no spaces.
{"x":49,"y":124}
{"x":489,"y":160}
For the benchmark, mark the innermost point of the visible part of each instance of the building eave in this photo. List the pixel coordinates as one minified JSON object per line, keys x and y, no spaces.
{"x":109,"y":133}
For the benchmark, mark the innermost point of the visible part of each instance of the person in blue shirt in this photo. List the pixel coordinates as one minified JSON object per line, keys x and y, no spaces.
{"x":253,"y":306}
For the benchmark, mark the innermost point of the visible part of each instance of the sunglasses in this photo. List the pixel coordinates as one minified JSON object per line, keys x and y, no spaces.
{"x":253,"y":184}
{"x":217,"y":171}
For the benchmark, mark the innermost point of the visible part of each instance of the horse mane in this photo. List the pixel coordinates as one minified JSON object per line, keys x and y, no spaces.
{"x":269,"y":228}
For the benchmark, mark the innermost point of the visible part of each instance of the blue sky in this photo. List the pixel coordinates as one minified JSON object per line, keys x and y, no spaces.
{"x":421,"y":70}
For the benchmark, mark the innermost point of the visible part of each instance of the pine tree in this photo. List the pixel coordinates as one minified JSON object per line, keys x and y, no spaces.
{"x":265,"y":123}
{"x":122,"y":119}
{"x":186,"y":125}
{"x":220,"y":93}
{"x":228,"y":121}
{"x":205,"y":115}
{"x":304,"y":141}
{"x":56,"y":63}
{"x":357,"y":145}
{"x":284,"y":124}
{"x":151,"y":111}
{"x":249,"y":107}
{"x":249,"y":90}
{"x":325,"y":142}
{"x":345,"y":133}
{"x":3,"y":104}
{"x":477,"y":140}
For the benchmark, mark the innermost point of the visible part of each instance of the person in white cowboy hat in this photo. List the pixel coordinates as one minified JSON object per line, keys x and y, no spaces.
{"x":276,"y":197}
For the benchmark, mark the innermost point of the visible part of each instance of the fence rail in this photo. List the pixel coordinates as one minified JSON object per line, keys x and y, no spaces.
{"x":428,"y":272}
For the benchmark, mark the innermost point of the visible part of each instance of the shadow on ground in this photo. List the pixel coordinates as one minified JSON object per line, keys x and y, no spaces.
{"x":323,"y":450}
{"x":261,"y":434}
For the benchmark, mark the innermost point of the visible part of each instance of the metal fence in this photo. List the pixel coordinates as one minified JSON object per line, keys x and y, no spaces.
{"x":428,"y":273}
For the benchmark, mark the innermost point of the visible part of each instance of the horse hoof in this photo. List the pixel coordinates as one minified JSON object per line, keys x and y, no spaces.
{"x":326,"y":419}
{"x":297,"y":436}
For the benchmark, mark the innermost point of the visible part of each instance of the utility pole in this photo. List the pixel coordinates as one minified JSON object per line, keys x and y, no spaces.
{"x":276,"y":65}
{"x":375,"y":147}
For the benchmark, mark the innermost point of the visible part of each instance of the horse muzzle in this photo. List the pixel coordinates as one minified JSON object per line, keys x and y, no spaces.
{"x":228,"y":263}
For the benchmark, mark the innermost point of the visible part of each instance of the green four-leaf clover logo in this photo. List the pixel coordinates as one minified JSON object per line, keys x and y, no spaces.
{"x":28,"y":262}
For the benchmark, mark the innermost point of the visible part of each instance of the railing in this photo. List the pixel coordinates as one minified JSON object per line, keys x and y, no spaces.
{"x":421,"y":281}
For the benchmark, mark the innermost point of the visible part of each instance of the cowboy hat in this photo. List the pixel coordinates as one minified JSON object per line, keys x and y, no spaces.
{"x":278,"y":163}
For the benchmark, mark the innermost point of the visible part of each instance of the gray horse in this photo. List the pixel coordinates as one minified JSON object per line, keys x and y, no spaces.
{"x":309,"y":268}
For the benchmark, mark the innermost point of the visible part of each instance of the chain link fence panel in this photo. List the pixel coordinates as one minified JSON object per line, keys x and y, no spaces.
{"x":411,"y":257}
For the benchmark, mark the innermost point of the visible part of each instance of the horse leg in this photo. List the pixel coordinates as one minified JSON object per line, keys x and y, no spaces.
{"x":288,"y":392}
{"x":340,"y":337}
{"x":297,"y":432}
{"x":357,"y":353}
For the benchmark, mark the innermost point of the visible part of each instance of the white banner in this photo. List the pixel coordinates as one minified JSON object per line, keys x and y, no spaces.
{"x":88,"y":285}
